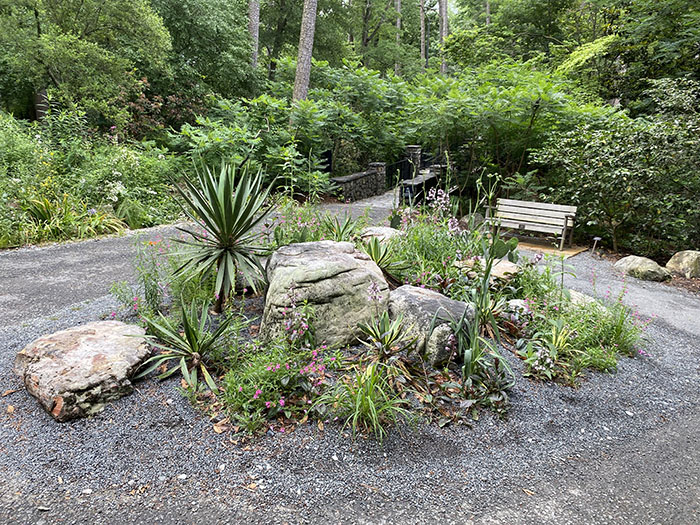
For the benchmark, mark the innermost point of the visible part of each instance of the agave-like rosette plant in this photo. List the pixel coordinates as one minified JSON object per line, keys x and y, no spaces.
{"x":227,"y":206}
{"x":189,"y":349}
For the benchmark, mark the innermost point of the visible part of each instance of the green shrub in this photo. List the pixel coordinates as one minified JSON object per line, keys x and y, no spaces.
{"x":227,"y":207}
{"x":635,"y":181}
{"x":190,"y":348}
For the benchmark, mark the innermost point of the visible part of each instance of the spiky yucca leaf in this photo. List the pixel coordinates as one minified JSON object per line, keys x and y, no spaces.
{"x":189,"y":347}
{"x":227,"y":206}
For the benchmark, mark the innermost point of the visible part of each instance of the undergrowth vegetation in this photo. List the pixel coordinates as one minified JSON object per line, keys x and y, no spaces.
{"x":526,"y":325}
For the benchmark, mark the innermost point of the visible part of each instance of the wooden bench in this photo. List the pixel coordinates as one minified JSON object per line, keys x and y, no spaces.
{"x":535,"y":217}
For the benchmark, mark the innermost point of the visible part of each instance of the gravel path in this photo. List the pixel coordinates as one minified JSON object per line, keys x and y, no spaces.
{"x":623,"y":448}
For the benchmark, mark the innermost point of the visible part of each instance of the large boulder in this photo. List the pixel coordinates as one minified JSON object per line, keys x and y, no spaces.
{"x":382,"y":233}
{"x":74,"y":372}
{"x":686,"y":263}
{"x":334,"y":278}
{"x":473,"y":221}
{"x":419,"y":307}
{"x":642,"y":268}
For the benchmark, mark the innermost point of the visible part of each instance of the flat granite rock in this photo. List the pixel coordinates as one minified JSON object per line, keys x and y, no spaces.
{"x":74,"y":372}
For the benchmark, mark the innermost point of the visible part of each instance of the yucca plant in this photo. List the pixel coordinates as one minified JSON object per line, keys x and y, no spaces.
{"x":227,"y":206}
{"x":381,"y":254}
{"x":386,"y":336}
{"x":338,"y":230}
{"x":189,"y":348}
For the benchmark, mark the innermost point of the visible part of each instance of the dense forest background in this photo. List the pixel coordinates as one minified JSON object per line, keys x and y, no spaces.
{"x":588,"y":102}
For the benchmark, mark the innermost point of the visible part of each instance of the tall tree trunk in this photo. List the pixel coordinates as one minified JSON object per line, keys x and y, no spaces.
{"x":306,"y":47}
{"x":254,"y":29}
{"x":442,"y":9}
{"x":278,"y":41}
{"x":422,"y":35}
{"x":397,"y":65}
{"x":488,"y":13}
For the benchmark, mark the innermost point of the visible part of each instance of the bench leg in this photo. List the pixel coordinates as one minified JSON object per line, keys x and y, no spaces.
{"x":563,"y":239}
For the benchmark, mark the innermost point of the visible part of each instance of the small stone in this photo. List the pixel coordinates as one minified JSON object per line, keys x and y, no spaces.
{"x":335,"y":458}
{"x":382,"y":233}
{"x":504,"y":270}
{"x":43,"y":509}
{"x":182,"y":476}
{"x":87,"y":491}
{"x":161,"y":478}
{"x":580,"y":299}
{"x":629,"y":413}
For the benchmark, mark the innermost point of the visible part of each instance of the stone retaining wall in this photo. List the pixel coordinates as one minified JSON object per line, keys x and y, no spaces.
{"x":364,"y":184}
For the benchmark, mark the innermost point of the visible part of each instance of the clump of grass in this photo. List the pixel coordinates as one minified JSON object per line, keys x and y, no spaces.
{"x":365,"y":400}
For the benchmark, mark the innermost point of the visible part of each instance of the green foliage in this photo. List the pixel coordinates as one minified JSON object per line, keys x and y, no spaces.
{"x":634,"y":180}
{"x":339,"y":230}
{"x":190,"y":349}
{"x":386,"y":337}
{"x":365,"y":401}
{"x":548,"y":351}
{"x":272,"y":380}
{"x":82,"y":51}
{"x":295,"y":223}
{"x":210,"y":44}
{"x":78,"y":178}
{"x":155,"y":264}
{"x":227,"y":207}
{"x":384,"y":256}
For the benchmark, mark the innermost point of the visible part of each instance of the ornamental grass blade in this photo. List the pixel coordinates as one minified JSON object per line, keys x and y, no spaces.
{"x":208,"y":379}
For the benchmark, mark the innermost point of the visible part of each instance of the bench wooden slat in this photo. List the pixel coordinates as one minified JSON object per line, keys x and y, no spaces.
{"x":532,"y":212}
{"x":531,"y":219}
{"x":543,"y":228}
{"x":538,"y":205}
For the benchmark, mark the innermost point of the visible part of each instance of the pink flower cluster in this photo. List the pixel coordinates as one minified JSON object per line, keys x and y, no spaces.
{"x":314,"y":368}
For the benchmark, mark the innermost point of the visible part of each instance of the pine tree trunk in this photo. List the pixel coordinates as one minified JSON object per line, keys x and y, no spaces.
{"x":488,"y":12}
{"x":422,"y":34}
{"x":442,"y":8}
{"x":306,"y":47}
{"x":397,"y":4}
{"x":254,"y":29}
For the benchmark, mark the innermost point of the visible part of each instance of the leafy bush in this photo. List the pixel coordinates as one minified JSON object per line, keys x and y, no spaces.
{"x":635,"y":181}
{"x":386,"y":337}
{"x":59,"y":180}
{"x":190,"y":349}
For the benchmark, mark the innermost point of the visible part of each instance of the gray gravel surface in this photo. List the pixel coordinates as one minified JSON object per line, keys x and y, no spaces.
{"x":623,"y":448}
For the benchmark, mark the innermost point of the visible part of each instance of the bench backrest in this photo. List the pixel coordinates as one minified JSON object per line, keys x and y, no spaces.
{"x":555,"y":215}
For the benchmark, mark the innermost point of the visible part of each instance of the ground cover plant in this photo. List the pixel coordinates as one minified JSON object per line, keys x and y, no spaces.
{"x":381,"y":379}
